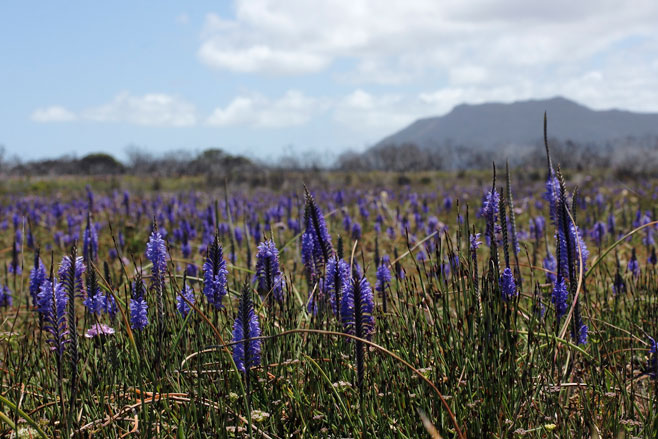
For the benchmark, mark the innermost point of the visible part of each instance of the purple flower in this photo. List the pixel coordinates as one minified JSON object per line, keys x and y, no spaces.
{"x":246,"y":350}
{"x":51,"y":303}
{"x":90,"y":241}
{"x":268,"y":274}
{"x":537,"y":225}
{"x":507,"y":284}
{"x":99,"y":330}
{"x":316,"y":228}
{"x":156,"y":252}
{"x":37,"y":277}
{"x":475,"y":241}
{"x":214,"y":275}
{"x":138,"y":306}
{"x":559,"y":297}
{"x":237,"y":232}
{"x":357,"y":306}
{"x":181,"y":305}
{"x":552,"y":195}
{"x":336,"y":277}
{"x":619,"y":285}
{"x":598,"y":232}
{"x":308,"y":253}
{"x":489,"y":211}
{"x":110,"y":305}
{"x":611,"y":223}
{"x":14,"y":265}
{"x":648,"y":239}
{"x":347,"y":222}
{"x":582,"y":334}
{"x":95,"y":303}
{"x":383,"y":278}
{"x":447,"y":203}
{"x":634,"y":265}
{"x":578,"y":248}
{"x":5,"y":297}
{"x":356,"y":230}
{"x":64,"y":273}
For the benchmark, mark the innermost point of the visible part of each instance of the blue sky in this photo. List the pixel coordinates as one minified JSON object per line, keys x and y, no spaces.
{"x":266,"y":78}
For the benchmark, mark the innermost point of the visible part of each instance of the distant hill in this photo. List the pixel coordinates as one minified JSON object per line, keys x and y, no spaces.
{"x":521,"y":123}
{"x":472,"y":135}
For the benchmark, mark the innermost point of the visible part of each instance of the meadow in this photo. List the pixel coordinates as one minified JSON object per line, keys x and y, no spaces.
{"x":446,"y":306}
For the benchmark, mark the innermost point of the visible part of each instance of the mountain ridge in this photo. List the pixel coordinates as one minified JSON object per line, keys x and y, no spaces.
{"x":492,"y":124}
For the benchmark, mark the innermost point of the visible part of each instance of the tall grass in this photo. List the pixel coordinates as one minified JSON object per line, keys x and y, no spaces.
{"x":449,"y":353}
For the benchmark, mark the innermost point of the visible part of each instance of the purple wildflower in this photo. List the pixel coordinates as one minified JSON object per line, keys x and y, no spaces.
{"x":583,"y":331}
{"x":508,"y":285}
{"x":308,"y":253}
{"x":648,"y":239}
{"x":5,"y":297}
{"x":37,"y":277}
{"x":246,"y":330}
{"x":268,"y":273}
{"x":214,"y":274}
{"x":598,"y":232}
{"x":90,"y":241}
{"x":537,"y":225}
{"x":356,"y":230}
{"x":95,"y":303}
{"x":347,"y":222}
{"x":336,"y":277}
{"x":14,"y":265}
{"x":99,"y":330}
{"x":181,"y":305}
{"x":578,"y":247}
{"x":138,"y":306}
{"x":357,"y":306}
{"x":475,"y":241}
{"x":316,"y":228}
{"x":552,"y":195}
{"x":156,"y":252}
{"x":489,"y":211}
{"x":611,"y":223}
{"x":634,"y":265}
{"x":383,"y":278}
{"x":110,"y":305}
{"x":619,"y":285}
{"x":51,"y":303}
{"x":559,"y":297}
{"x":64,"y":273}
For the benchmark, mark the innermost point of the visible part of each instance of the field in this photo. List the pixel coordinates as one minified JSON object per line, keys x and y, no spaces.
{"x":374,"y":306}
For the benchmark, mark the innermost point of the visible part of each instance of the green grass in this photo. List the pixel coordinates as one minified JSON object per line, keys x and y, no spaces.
{"x":500,"y":368}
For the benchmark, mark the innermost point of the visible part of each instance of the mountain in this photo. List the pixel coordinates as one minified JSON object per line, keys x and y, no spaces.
{"x":472,"y":136}
{"x":521,"y":123}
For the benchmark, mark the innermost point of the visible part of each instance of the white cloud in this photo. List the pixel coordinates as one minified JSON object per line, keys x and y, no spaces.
{"x":480,"y":42}
{"x":154,"y":109}
{"x":52,"y":114}
{"x":293,"y":108}
{"x":373,"y":115}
